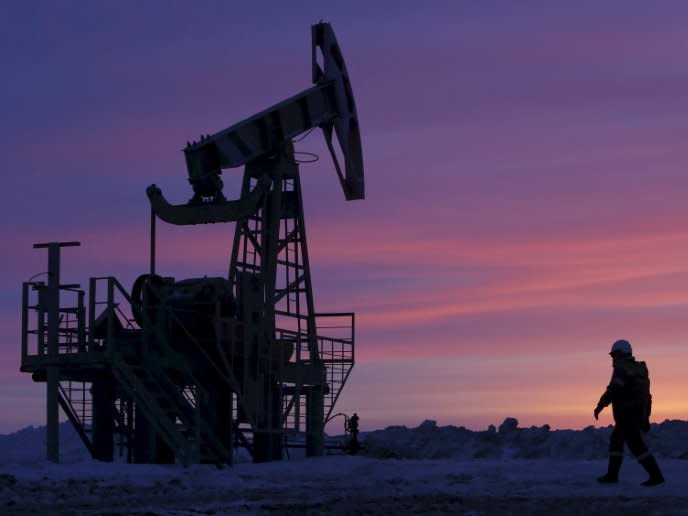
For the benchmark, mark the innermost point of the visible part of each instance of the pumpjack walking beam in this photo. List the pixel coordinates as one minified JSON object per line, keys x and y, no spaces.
{"x":329,"y":104}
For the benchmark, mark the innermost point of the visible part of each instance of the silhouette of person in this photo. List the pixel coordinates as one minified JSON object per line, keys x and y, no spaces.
{"x":352,"y":426}
{"x":631,"y":414}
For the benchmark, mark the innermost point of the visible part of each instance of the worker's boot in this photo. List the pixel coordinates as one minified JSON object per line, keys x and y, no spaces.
{"x":612,"y":476}
{"x":651,"y":466}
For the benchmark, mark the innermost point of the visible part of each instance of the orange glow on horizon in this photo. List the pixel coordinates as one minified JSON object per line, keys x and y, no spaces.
{"x":476,"y":392}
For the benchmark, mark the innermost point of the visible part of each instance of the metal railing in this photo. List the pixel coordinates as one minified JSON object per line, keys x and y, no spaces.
{"x":335,"y":337}
{"x":71,"y":332}
{"x":336,"y":333}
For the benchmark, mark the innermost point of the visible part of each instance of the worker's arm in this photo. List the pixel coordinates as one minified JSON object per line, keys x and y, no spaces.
{"x":615,"y":385}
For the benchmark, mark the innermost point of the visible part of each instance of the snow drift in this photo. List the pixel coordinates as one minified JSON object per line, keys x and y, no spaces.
{"x":504,"y":470}
{"x":429,"y":441}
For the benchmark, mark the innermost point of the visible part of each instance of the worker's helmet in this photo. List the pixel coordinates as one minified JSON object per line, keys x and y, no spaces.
{"x":621,"y":346}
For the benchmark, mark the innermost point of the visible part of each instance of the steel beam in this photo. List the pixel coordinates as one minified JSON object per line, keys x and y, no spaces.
{"x":51,"y":298}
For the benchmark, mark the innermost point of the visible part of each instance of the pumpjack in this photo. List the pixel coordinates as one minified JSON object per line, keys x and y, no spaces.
{"x":190,"y":370}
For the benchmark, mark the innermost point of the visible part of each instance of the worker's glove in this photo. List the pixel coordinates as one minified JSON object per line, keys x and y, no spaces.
{"x":597,"y":411}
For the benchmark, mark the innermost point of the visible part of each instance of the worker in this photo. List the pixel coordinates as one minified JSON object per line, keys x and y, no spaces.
{"x":354,"y":428}
{"x":629,"y":394}
{"x":351,"y":425}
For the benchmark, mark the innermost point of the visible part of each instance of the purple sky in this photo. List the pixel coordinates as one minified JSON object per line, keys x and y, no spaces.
{"x":525,"y":179}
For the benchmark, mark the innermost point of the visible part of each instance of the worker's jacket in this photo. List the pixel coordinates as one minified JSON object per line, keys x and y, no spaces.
{"x":629,"y":393}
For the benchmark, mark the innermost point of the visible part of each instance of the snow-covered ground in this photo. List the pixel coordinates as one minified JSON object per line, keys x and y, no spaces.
{"x":505,"y":470}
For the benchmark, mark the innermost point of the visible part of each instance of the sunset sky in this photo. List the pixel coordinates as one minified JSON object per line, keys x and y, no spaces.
{"x":526,"y":183}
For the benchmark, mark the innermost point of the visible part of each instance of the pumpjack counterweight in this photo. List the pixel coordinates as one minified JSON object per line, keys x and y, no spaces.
{"x":190,"y":370}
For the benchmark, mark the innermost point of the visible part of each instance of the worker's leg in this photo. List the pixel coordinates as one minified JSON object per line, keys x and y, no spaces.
{"x":647,"y":461}
{"x":616,"y":443}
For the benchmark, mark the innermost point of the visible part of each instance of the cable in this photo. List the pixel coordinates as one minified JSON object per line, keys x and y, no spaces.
{"x":36,"y":275}
{"x":314,"y":157}
{"x":304,"y":134}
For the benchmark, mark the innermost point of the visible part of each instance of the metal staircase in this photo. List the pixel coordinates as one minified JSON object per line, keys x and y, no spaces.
{"x":75,"y":400}
{"x":173,"y":412}
{"x":159,"y":407}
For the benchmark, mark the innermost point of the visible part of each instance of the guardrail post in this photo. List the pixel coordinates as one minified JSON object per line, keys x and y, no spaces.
{"x":51,"y":300}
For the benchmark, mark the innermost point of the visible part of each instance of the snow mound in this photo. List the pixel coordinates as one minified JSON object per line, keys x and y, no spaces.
{"x":444,"y":470}
{"x":426,"y":441}
{"x":429,"y":441}
{"x":28,"y":445}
